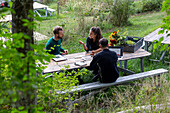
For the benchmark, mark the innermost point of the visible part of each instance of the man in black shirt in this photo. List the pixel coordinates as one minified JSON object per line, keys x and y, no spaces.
{"x":104,"y":64}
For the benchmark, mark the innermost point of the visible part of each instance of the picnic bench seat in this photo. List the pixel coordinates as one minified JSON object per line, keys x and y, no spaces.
{"x":51,"y":11}
{"x":119,"y":81}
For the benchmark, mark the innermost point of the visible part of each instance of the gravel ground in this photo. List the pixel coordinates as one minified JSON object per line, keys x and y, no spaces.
{"x":39,"y":37}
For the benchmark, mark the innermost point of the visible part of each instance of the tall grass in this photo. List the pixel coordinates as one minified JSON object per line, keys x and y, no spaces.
{"x":131,"y":98}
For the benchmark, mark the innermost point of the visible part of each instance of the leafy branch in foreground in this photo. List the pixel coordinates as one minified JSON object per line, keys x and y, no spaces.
{"x":23,"y":87}
{"x":165,"y":27}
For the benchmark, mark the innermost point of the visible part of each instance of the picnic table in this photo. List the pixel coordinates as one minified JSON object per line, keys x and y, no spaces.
{"x":37,"y":6}
{"x":7,"y":18}
{"x":84,"y":57}
{"x":148,"y":39}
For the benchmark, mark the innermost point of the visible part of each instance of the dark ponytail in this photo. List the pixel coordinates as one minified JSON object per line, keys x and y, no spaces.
{"x":97,"y":32}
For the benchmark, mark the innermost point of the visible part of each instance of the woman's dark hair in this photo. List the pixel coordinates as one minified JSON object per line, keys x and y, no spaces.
{"x":97,"y":32}
{"x":57,"y":29}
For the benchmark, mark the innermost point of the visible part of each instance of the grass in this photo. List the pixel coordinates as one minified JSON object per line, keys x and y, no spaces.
{"x":121,"y":97}
{"x":150,"y":22}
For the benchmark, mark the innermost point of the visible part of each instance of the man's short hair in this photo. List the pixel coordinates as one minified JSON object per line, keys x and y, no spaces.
{"x":57,"y":29}
{"x":103,"y":42}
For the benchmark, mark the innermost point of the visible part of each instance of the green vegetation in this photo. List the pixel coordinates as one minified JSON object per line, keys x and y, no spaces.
{"x":141,"y":25}
{"x":121,"y":97}
{"x":77,"y":17}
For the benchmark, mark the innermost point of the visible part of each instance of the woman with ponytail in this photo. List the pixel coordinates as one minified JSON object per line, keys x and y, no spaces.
{"x":92,"y":41}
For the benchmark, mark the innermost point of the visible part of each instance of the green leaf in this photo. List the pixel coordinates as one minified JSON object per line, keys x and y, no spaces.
{"x":26,"y":37}
{"x":25,"y":20}
{"x":25,"y":24}
{"x":1,"y":100}
{"x":161,"y":39}
{"x":155,"y":46}
{"x":10,"y":4}
{"x":14,"y":99}
{"x":161,"y":32}
{"x":21,"y":108}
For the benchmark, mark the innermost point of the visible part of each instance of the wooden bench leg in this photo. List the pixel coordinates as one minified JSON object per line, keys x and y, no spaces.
{"x":163,"y":54}
{"x":142,"y":64}
{"x":120,"y":63}
{"x":159,"y":81}
{"x":85,"y":97}
{"x":125,"y":64}
{"x":146,"y":45}
{"x":45,"y":12}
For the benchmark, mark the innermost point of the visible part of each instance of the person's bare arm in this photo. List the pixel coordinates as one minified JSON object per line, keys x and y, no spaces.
{"x":96,"y":51}
{"x":80,"y":42}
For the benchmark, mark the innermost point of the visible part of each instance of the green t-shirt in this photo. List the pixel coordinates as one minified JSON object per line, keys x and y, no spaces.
{"x":53,"y":46}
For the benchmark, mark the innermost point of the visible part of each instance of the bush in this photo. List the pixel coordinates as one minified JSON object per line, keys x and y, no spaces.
{"x":119,"y":12}
{"x":145,"y":5}
{"x":150,"y":5}
{"x":136,"y":7}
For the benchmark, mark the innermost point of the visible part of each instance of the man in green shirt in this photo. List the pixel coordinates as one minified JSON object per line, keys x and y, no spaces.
{"x":53,"y":45}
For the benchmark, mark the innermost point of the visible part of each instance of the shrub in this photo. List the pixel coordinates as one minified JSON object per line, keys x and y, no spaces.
{"x":136,"y":7}
{"x":150,"y":5}
{"x":119,"y":12}
{"x":140,"y":6}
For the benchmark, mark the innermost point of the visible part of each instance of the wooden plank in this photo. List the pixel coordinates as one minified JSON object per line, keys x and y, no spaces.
{"x":49,"y":9}
{"x":37,"y":5}
{"x":120,"y":80}
{"x":147,"y":37}
{"x":126,"y":70}
{"x":138,"y":54}
{"x":77,"y":57}
{"x":155,"y":36}
{"x":7,"y":18}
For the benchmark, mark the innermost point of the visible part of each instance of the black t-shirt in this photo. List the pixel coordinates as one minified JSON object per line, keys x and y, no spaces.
{"x":91,"y":45}
{"x":107,"y":61}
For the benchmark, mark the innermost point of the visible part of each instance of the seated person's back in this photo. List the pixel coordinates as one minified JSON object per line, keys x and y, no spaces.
{"x":105,"y":63}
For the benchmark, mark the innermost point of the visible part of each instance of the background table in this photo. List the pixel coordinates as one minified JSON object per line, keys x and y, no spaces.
{"x":155,"y":36}
{"x":37,"y":6}
{"x":77,"y":57}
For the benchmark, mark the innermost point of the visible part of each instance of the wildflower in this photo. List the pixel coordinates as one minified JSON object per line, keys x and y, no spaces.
{"x":113,"y":41}
{"x":115,"y":32}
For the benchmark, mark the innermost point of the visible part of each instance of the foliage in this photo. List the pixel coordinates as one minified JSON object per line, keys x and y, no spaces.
{"x":116,"y":40}
{"x":141,"y":6}
{"x":16,"y":85}
{"x":123,"y":97}
{"x":150,"y":5}
{"x":119,"y":12}
{"x":165,"y":28}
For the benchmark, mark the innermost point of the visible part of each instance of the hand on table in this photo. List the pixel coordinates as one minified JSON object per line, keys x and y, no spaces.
{"x":93,"y":53}
{"x":65,"y":52}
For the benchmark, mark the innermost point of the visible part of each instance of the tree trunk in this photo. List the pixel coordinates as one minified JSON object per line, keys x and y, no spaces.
{"x":22,"y":7}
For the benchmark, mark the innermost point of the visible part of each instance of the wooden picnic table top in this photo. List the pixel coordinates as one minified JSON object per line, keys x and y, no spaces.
{"x":155,"y":36}
{"x":7,"y":18}
{"x":78,"y":57}
{"x":37,"y":5}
